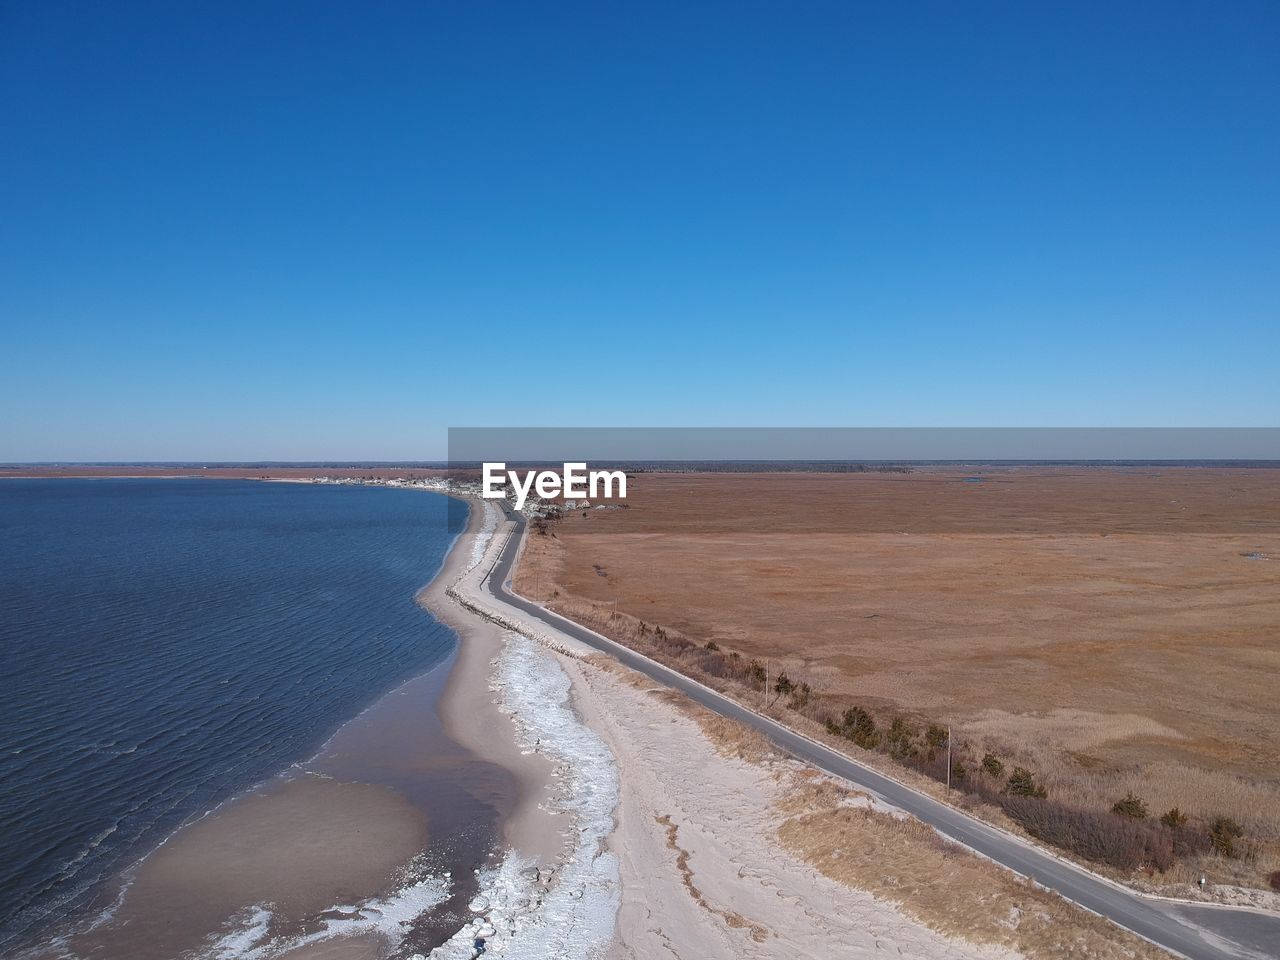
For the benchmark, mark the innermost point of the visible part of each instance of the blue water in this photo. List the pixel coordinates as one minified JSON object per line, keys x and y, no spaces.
{"x":167,"y":643}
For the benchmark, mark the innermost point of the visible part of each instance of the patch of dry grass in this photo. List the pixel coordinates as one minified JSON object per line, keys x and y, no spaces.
{"x":945,"y":886}
{"x":730,"y":738}
{"x":1066,"y":752}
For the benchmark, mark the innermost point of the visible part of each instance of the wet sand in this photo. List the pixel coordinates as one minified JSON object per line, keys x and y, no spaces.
{"x":394,"y":797}
{"x":475,"y":722}
{"x":290,"y":845}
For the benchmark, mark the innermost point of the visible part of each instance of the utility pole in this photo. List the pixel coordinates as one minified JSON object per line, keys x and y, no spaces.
{"x":948,"y":759}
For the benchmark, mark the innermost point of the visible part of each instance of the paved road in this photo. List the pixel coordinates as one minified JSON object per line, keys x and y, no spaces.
{"x":1196,"y":932}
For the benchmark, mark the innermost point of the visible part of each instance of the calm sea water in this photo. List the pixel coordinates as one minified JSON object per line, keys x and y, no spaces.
{"x":167,"y":643}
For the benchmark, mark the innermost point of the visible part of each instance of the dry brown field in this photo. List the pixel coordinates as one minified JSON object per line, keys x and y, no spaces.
{"x":1113,"y":630}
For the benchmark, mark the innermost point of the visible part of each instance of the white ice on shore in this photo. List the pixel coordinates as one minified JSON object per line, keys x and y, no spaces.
{"x":239,"y":942}
{"x":388,"y":918}
{"x":569,"y":911}
{"x":480,"y":543}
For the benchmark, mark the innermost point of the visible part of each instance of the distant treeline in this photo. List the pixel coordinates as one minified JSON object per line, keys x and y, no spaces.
{"x":764,"y":466}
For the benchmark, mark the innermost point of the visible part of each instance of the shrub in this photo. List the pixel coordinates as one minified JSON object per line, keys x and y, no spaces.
{"x":958,"y":773}
{"x":935,"y":739}
{"x":1174,"y":819}
{"x":671,"y":644}
{"x":1102,"y":837}
{"x":992,"y":765}
{"x":756,"y":672}
{"x":1188,"y":842}
{"x":857,"y":725}
{"x":710,"y":662}
{"x":800,"y":696}
{"x":783,"y":685}
{"x":900,"y":739}
{"x":1131,"y":806}
{"x":1225,"y":834}
{"x":1274,"y":880}
{"x":1023,"y":784}
{"x":712,"y":645}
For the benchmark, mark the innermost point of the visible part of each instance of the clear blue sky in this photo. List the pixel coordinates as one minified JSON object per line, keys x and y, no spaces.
{"x":314,"y":230}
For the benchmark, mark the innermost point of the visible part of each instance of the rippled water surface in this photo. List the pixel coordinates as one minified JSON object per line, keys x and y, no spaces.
{"x":167,"y":643}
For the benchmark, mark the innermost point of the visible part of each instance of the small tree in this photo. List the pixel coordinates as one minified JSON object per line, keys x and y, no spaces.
{"x":958,"y":773}
{"x":857,"y":725}
{"x":900,"y":737}
{"x":992,"y":765}
{"x":1131,"y":806}
{"x":783,"y":685}
{"x":800,"y":697}
{"x":1175,"y":819}
{"x":712,"y":646}
{"x":756,"y":672}
{"x":1224,"y":835}
{"x":1023,"y":784}
{"x":935,"y":738}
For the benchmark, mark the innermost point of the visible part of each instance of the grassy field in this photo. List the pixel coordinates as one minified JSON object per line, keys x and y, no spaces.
{"x":1114,"y":631}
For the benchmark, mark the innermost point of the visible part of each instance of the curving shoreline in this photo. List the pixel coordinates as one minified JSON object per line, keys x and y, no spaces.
{"x":467,"y":708}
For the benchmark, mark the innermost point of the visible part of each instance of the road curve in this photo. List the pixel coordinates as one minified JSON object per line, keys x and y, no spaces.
{"x":1198,"y":932}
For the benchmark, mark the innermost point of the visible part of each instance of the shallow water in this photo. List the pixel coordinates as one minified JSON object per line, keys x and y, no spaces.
{"x":168,"y":643}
